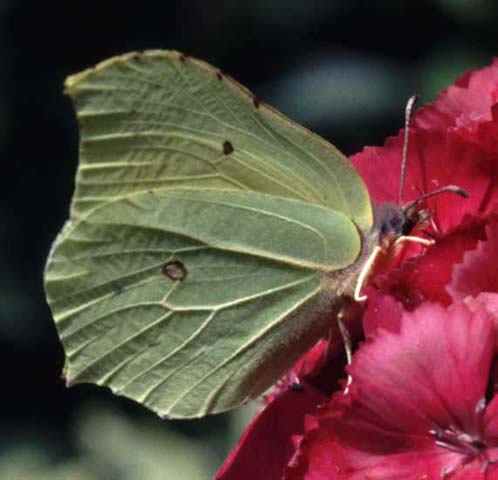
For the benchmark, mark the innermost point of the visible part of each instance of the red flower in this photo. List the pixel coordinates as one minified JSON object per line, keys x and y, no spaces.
{"x":269,"y":441}
{"x":468,"y":108}
{"x":267,"y":444}
{"x":478,"y":271}
{"x":448,"y":145}
{"x":416,"y":408}
{"x":409,"y":282}
{"x":422,"y":402}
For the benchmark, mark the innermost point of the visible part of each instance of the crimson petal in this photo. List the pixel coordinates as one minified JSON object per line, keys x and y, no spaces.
{"x":469,"y":101}
{"x":267,"y":444}
{"x":408,"y":390}
{"x":477,"y":273}
{"x":426,"y":277}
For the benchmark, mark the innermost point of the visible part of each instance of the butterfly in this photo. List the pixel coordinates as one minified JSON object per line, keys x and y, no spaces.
{"x":211,"y":240}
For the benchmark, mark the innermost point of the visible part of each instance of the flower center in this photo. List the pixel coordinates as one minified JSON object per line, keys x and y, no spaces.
{"x":470,"y":447}
{"x":454,"y":439}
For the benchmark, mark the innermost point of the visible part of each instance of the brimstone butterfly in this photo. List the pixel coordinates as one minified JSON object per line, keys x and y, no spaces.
{"x":210,"y":239}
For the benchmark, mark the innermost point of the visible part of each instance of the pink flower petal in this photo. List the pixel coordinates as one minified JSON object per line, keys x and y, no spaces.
{"x":454,"y":140}
{"x":425,"y":278}
{"x":267,"y":445}
{"x":437,"y":367}
{"x":483,"y":134}
{"x":490,"y":303}
{"x":330,"y":460}
{"x":429,"y":377}
{"x":478,"y":271}
{"x":383,"y":312}
{"x":468,"y":101}
{"x":436,"y":158}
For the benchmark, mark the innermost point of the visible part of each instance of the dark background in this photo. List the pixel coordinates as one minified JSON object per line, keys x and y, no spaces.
{"x":344,"y":68}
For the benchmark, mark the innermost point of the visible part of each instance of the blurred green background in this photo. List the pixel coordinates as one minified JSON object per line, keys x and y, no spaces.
{"x":344,"y":68}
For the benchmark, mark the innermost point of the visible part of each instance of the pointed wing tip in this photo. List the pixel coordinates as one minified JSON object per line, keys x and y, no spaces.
{"x":71,"y":82}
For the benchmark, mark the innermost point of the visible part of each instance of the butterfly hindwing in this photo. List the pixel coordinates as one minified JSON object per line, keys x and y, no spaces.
{"x":194,"y":317}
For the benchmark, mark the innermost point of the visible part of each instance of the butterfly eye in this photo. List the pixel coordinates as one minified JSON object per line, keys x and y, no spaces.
{"x":397,"y":224}
{"x":408,"y":225}
{"x":390,"y":221}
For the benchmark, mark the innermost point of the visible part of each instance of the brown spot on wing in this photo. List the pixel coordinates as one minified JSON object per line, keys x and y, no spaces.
{"x":175,"y":270}
{"x":227,"y":147}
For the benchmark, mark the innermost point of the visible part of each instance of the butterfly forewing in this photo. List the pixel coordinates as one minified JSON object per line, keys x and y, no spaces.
{"x":162,"y":120}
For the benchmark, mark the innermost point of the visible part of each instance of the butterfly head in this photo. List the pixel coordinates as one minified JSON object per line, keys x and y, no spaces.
{"x":393,"y":222}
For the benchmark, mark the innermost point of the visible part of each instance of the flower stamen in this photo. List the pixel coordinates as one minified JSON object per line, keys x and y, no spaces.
{"x":471,"y":447}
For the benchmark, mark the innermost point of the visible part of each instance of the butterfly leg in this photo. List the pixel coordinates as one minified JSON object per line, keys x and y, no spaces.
{"x":365,"y":271}
{"x":408,"y":238}
{"x":345,"y":335}
{"x":348,"y":345}
{"x":346,"y":341}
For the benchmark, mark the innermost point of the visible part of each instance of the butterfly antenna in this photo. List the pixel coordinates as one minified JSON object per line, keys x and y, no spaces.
{"x":448,"y":188}
{"x":410,"y":106}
